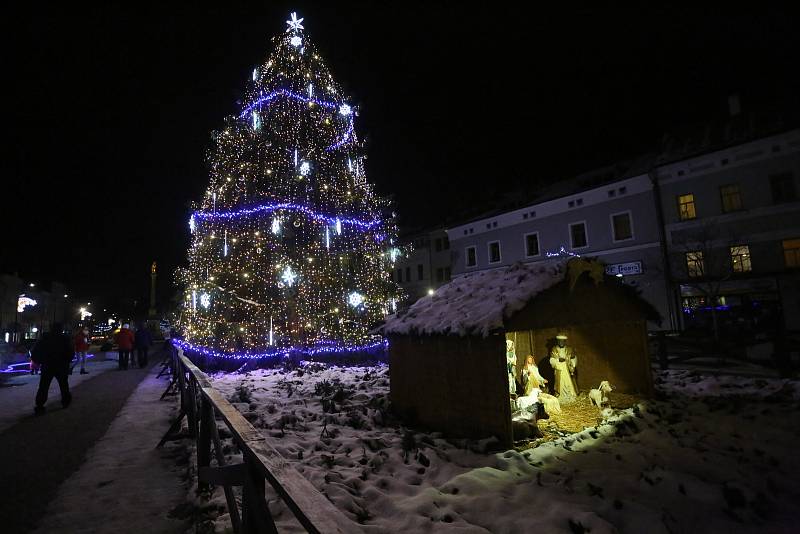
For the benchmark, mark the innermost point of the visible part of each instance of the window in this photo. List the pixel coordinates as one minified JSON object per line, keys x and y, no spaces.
{"x":408,"y":274}
{"x":494,"y":252}
{"x":438,"y":244}
{"x":571,"y":204}
{"x":447,"y":274}
{"x":623,"y":189}
{"x":695,"y":264}
{"x":686,"y":209}
{"x":419,"y":272}
{"x":791,"y":252}
{"x":445,"y":243}
{"x":472,"y":257}
{"x":439,"y":274}
{"x":740,"y":259}
{"x":577,"y":233}
{"x":782,"y":187}
{"x":399,"y":275}
{"x":532,"y":244}
{"x":611,"y":193}
{"x":731,"y":198}
{"x":621,"y":226}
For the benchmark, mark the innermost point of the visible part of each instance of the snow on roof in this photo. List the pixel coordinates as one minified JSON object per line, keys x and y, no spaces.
{"x":477,"y":303}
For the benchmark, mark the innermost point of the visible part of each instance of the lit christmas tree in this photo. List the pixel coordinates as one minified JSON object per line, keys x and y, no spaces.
{"x":291,"y":248}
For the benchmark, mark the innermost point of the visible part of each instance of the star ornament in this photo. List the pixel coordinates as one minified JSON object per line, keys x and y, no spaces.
{"x":294,"y":23}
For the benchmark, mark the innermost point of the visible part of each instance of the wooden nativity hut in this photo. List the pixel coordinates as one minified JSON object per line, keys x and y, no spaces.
{"x":447,"y":352}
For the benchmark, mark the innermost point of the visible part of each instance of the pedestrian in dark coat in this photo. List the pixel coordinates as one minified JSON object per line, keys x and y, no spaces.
{"x":54,"y":353}
{"x":125,"y":340}
{"x":142,"y":342}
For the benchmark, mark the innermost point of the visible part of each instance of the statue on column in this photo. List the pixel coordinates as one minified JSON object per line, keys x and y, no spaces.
{"x":564,"y":363}
{"x":153,"y":274}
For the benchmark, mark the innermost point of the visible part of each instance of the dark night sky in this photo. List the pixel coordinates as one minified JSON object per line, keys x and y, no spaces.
{"x":111,"y":109}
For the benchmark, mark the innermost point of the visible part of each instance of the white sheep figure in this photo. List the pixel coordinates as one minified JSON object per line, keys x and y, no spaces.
{"x":599,"y":396}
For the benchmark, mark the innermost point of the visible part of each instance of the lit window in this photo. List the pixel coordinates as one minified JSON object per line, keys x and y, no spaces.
{"x":472,"y":257}
{"x":686,"y":209}
{"x":695,"y":264}
{"x":740,"y":259}
{"x":622,"y":227}
{"x":577,"y":233}
{"x":731,"y":197}
{"x":532,"y":245}
{"x":791,"y":252}
{"x":494,"y":252}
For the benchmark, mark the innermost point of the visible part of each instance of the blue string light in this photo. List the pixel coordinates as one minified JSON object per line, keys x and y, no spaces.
{"x":321,"y":347}
{"x":288,"y":206}
{"x":267,"y":100}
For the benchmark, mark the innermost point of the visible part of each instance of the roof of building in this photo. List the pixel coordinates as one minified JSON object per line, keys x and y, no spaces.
{"x":477,"y":303}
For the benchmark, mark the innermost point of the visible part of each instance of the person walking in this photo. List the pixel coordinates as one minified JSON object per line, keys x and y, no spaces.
{"x":54,"y":353}
{"x":124,"y":340}
{"x":81,"y":348}
{"x":143,"y":341}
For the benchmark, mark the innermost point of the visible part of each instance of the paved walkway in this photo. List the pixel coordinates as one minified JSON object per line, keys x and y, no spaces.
{"x":69,"y":469}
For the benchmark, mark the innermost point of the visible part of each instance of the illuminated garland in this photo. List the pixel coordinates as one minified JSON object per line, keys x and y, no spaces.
{"x":287,"y":206}
{"x":321,"y":347}
{"x":305,"y":99}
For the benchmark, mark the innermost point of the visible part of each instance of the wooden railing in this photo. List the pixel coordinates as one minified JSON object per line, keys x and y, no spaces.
{"x":201,"y":404}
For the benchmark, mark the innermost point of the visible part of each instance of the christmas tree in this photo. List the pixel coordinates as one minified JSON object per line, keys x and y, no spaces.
{"x":291,"y":248}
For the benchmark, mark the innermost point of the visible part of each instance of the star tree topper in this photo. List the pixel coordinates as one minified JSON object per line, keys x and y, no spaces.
{"x":294,"y":23}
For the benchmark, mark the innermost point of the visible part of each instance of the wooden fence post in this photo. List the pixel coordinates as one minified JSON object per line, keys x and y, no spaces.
{"x":204,"y":440}
{"x":256,"y":518}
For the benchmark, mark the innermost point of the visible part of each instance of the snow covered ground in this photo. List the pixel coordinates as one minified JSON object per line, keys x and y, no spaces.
{"x":126,"y":484}
{"x":18,"y":392}
{"x":713,"y":454}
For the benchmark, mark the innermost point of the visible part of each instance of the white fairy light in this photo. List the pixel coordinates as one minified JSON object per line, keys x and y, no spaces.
{"x":191,"y":223}
{"x":255,"y":74}
{"x":310,"y":90}
{"x":338,"y":227}
{"x":276,"y":226}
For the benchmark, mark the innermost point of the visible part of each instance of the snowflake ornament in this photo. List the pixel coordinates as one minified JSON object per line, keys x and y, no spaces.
{"x":288,"y":276}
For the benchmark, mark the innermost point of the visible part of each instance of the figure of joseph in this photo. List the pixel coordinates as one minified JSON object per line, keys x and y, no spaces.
{"x":564,"y":363}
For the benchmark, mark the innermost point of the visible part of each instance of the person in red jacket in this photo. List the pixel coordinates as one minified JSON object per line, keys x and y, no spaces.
{"x":124,"y":339}
{"x":81,"y":348}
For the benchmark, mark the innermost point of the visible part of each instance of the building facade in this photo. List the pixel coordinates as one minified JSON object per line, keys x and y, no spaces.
{"x":424,"y":264}
{"x":716,"y":231}
{"x":732,"y":229}
{"x":28,"y":309}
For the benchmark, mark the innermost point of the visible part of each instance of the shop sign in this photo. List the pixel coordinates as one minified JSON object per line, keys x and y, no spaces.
{"x":625,"y":269}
